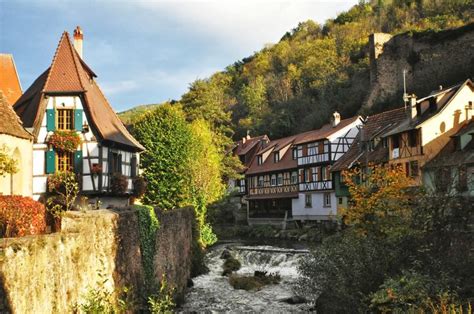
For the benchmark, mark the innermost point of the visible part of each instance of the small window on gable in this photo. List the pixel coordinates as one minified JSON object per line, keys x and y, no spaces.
{"x":276,"y":156}
{"x":259,"y":160}
{"x":412,"y":138}
{"x":65,"y":119}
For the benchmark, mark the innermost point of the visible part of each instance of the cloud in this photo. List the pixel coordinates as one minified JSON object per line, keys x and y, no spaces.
{"x":118,"y":87}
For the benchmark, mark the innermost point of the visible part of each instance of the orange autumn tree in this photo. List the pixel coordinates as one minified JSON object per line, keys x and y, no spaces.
{"x":380,"y":199}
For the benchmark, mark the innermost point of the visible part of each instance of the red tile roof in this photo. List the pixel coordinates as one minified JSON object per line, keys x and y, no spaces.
{"x":242,"y":148}
{"x":69,"y":74}
{"x":9,"y":80}
{"x":9,"y":122}
{"x":324,"y":131}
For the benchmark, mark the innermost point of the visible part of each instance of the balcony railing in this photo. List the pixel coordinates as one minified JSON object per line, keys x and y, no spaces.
{"x":313,"y":159}
{"x":315,"y":186}
{"x":274,"y":189}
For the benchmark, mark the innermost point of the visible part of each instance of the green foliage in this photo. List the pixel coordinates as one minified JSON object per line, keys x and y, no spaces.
{"x":8,"y":165}
{"x":162,"y":303}
{"x":165,"y":163}
{"x":118,"y":184}
{"x":129,"y":116}
{"x":63,"y":190}
{"x":148,"y":225}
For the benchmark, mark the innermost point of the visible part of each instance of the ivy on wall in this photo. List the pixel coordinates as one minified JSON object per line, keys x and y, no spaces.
{"x":148,"y":225}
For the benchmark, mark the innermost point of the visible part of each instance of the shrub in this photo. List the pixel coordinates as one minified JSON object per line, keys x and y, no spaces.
{"x":163,"y":302}
{"x":20,"y":216}
{"x":139,"y":187}
{"x":118,"y":184}
{"x":63,"y":189}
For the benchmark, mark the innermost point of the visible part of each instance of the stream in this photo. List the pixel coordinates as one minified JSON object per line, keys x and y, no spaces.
{"x":212,"y":292}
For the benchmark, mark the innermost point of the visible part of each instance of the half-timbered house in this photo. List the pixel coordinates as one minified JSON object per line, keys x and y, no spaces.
{"x":66,"y":98}
{"x":315,"y":152}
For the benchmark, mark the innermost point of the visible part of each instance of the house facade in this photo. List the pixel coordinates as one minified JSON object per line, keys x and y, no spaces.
{"x":290,"y":178}
{"x":66,"y":100}
{"x":430,"y":123}
{"x":316,"y":152}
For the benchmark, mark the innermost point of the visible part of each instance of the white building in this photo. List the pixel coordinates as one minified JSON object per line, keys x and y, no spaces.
{"x":66,"y":98}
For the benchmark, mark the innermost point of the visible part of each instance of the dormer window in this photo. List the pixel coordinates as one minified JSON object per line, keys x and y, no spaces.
{"x":276,"y":156}
{"x":259,"y":160}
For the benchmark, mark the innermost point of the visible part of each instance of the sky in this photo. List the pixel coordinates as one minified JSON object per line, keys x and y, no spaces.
{"x":146,"y":51}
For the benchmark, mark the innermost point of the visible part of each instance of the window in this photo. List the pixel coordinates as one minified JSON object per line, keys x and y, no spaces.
{"x":294,"y":153}
{"x":395,"y":141}
{"x":259,"y":160}
{"x":312,"y":149}
{"x":280,"y":179}
{"x":273,"y":180}
{"x":133,"y":167}
{"x":294,"y":177}
{"x":65,"y":119}
{"x":115,"y":163}
{"x":276,"y":156}
{"x":340,"y":201}
{"x":308,"y":201}
{"x":327,"y":200}
{"x":412,"y":138}
{"x":307,"y":176}
{"x":65,"y":161}
{"x":300,"y":151}
{"x":260,"y":181}
{"x":326,"y":147}
{"x":413,"y":168}
{"x":315,"y":174}
{"x":324,"y":173}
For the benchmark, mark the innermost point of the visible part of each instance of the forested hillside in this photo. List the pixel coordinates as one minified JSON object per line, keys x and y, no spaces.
{"x":296,"y":84}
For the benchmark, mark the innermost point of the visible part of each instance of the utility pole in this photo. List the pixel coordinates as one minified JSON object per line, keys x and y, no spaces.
{"x":405,"y":95}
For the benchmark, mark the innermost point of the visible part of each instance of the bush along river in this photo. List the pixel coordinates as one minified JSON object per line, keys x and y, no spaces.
{"x":247,"y":278}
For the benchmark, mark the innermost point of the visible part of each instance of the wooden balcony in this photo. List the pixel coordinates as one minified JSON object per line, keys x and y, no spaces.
{"x":269,"y":190}
{"x":313,"y":159}
{"x":316,"y":186}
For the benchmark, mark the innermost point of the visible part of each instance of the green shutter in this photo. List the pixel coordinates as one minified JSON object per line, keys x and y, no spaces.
{"x":78,"y":120}
{"x":50,"y":161}
{"x":50,"y":120}
{"x":78,"y":161}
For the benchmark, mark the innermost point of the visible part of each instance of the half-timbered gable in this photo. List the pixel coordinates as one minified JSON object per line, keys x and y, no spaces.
{"x":66,"y":98}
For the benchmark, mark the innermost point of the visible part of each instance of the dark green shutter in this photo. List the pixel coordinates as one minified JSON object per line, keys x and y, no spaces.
{"x":50,"y":161}
{"x":78,"y":120}
{"x":50,"y":120}
{"x":119,"y":170}
{"x":78,"y":161}
{"x":133,"y":170}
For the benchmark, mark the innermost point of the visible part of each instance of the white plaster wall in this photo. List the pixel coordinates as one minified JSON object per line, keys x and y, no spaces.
{"x":317,"y":211}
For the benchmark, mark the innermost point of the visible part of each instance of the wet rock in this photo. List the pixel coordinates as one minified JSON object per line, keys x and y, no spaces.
{"x":226,"y":254}
{"x":294,"y":300}
{"x":190,"y":283}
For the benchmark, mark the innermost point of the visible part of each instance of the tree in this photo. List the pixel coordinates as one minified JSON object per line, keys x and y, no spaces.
{"x":166,"y":137}
{"x":380,"y":198}
{"x":8,"y":165}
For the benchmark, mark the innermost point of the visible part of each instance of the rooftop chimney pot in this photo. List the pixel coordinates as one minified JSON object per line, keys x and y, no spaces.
{"x":78,"y":39}
{"x":336,"y":118}
{"x":413,"y":112}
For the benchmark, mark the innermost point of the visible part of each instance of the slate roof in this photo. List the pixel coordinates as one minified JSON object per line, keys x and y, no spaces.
{"x":374,"y":127}
{"x":10,"y":124}
{"x":9,"y":80}
{"x":68,"y":74}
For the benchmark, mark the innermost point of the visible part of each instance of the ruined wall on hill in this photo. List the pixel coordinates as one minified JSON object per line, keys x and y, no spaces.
{"x":430,"y":58}
{"x":51,"y":273}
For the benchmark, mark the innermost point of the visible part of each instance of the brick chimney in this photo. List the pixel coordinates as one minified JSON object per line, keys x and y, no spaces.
{"x":78,"y":39}
{"x":336,"y":118}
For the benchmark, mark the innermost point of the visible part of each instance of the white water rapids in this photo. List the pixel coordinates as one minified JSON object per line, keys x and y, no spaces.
{"x":212,"y":292}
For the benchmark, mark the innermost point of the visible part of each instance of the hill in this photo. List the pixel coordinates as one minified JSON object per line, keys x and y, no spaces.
{"x":296,"y":84}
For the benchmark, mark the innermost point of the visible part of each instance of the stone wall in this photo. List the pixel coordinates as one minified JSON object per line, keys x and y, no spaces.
{"x":430,"y":58}
{"x":51,"y":273}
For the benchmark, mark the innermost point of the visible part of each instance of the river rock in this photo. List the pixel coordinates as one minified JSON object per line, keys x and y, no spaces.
{"x":226,"y":254}
{"x":294,"y":300}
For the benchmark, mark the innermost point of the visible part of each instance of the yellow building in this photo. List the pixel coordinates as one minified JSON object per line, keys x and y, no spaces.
{"x":17,"y":143}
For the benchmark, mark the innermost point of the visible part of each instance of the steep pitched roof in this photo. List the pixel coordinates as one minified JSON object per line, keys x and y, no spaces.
{"x":374,"y":127}
{"x":243,"y":148}
{"x":9,"y":122}
{"x":323,"y":132}
{"x":69,"y":74}
{"x":9,"y":80}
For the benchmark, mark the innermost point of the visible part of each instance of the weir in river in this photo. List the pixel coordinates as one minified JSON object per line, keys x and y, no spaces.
{"x":213,"y":293}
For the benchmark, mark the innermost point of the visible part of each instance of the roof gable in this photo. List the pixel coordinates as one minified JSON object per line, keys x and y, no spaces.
{"x":9,"y":122}
{"x":64,"y":74}
{"x":9,"y":80}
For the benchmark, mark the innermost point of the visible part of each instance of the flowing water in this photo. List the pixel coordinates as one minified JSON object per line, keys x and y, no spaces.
{"x":213,"y":293}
